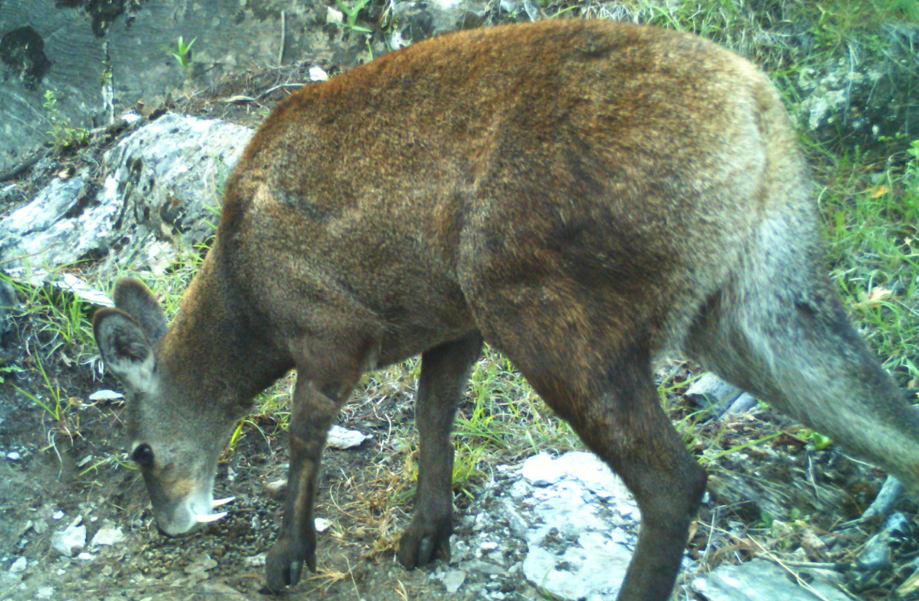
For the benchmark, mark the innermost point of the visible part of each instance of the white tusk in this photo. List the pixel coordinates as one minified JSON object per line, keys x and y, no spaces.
{"x":219,"y":502}
{"x":213,"y":517}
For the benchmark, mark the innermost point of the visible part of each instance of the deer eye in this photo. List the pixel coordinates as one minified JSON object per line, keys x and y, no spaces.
{"x":143,"y":455}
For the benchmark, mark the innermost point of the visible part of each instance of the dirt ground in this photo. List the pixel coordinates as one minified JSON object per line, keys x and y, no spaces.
{"x":364,"y":498}
{"x":55,"y":473}
{"x":44,"y":490}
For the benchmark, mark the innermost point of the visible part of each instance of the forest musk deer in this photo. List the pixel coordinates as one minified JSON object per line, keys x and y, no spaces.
{"x":581,"y":195}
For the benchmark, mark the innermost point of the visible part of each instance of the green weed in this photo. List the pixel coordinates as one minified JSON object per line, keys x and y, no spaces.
{"x":270,"y":417}
{"x":9,"y":369}
{"x":351,"y":11}
{"x":65,"y":426}
{"x":502,"y":413}
{"x":55,"y":404}
{"x":60,"y":319}
{"x":63,"y":135}
{"x":181,"y":52}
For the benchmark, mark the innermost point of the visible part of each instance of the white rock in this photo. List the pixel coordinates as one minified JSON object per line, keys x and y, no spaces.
{"x":68,"y":540}
{"x":396,"y":40}
{"x":108,"y":536}
{"x":57,"y":515}
{"x":594,"y":474}
{"x":13,"y":456}
{"x":565,"y":510}
{"x":44,"y":592}
{"x":201,"y":565}
{"x":592,"y":566}
{"x":741,"y":404}
{"x":341,"y":438}
{"x":453,"y":580}
{"x":190,"y":154}
{"x":19,"y":565}
{"x":276,"y":488}
{"x":318,"y":74}
{"x":74,"y":285}
{"x":106,"y":395}
{"x":542,"y":470}
{"x":759,"y":579}
{"x":334,"y":16}
{"x":321,"y":524}
{"x":84,"y":556}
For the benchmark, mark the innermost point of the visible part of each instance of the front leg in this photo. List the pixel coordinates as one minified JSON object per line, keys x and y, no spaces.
{"x":444,"y":371}
{"x":312,"y":413}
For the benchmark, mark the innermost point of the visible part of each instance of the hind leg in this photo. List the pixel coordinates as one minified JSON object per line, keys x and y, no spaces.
{"x":597,"y":375}
{"x":444,"y":371}
{"x":626,"y":427}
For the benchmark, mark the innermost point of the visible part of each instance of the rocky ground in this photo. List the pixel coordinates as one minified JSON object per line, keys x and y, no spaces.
{"x":533,"y":530}
{"x":75,"y":521}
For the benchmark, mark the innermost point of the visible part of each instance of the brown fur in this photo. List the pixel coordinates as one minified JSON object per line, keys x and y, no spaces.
{"x":582,"y":195}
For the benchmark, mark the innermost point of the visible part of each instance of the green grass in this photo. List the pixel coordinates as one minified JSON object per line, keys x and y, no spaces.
{"x":871,"y":222}
{"x":501,"y":413}
{"x":59,"y":319}
{"x":54,"y":403}
{"x":836,"y":24}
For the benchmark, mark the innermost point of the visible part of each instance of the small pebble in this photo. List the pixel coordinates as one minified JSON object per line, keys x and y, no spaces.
{"x":19,"y":565}
{"x":256,"y":561}
{"x":276,"y":488}
{"x":13,"y":456}
{"x":108,"y":536}
{"x":106,"y":395}
{"x":453,"y":580}
{"x":342,"y":438}
{"x":69,"y":540}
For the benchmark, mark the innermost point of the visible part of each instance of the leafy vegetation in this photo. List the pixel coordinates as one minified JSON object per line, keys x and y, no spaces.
{"x":351,"y":11}
{"x":871,"y":220}
{"x":59,"y":320}
{"x":181,"y":52}
{"x":62,"y":133}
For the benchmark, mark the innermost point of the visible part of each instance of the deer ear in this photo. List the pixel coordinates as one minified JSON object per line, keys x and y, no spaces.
{"x":135,"y":299}
{"x":125,"y":347}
